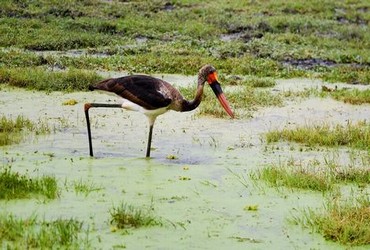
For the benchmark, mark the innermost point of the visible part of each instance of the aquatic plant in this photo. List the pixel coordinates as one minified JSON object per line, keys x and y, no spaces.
{"x":314,"y":175}
{"x":18,"y":233}
{"x":14,"y":185}
{"x":127,"y":216}
{"x":14,"y":130}
{"x":85,"y":187}
{"x":295,"y":178}
{"x":353,"y":135}
{"x":346,"y":222}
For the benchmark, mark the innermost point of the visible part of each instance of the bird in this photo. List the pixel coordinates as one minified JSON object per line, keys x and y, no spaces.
{"x":153,"y":97}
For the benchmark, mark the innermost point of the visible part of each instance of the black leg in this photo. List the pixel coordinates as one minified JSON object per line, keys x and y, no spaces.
{"x":95,"y":105}
{"x":87,"y":107}
{"x":149,"y":141}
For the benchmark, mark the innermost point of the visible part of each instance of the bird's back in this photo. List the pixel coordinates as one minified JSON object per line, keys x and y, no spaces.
{"x":146,"y":91}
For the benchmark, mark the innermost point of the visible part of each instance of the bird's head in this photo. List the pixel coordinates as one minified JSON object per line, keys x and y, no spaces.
{"x":209,"y":74}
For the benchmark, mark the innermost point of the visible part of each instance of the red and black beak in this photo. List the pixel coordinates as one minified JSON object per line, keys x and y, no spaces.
{"x":216,"y":87}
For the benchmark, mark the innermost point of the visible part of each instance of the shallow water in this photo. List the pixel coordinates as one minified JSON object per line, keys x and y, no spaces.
{"x":198,"y":193}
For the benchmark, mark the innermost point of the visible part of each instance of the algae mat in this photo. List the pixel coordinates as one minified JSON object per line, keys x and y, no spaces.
{"x":197,"y":180}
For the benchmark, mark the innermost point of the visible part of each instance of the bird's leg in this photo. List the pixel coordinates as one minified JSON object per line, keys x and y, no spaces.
{"x":95,"y":105}
{"x":151,"y":119}
{"x":87,"y":107}
{"x":149,"y":140}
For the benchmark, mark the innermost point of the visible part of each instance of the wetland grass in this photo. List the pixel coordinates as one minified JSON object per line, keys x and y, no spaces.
{"x":41,"y":79}
{"x":259,"y":82}
{"x":353,"y":96}
{"x":17,"y":186}
{"x":14,"y":130}
{"x":351,"y":135}
{"x":295,"y":177}
{"x":127,"y":216}
{"x":85,"y":187}
{"x":314,"y":175}
{"x":291,"y":39}
{"x":31,"y":233}
{"x":346,"y":222}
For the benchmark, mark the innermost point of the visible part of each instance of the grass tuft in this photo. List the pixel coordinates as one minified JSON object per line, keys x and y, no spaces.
{"x":314,"y":175}
{"x":13,"y":131}
{"x":17,"y":186}
{"x":16,"y":233}
{"x":353,"y":96}
{"x":128,"y":216}
{"x":300,"y":178}
{"x":352,"y":135}
{"x":345,"y":222}
{"x":85,"y":187}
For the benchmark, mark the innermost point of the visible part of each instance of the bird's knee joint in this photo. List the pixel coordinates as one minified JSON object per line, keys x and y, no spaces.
{"x":87,"y":106}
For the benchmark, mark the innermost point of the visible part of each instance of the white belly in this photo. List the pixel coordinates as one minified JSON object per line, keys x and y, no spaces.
{"x":151,"y":114}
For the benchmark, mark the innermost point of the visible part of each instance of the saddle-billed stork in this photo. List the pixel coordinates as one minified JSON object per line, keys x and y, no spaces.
{"x":153,"y":97}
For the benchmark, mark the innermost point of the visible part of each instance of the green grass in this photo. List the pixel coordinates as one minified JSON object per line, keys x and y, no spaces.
{"x":127,"y":216}
{"x":15,"y":130}
{"x":310,"y":178}
{"x":300,"y":178}
{"x":346,"y":222}
{"x":41,"y":79}
{"x":351,"y":135}
{"x":353,"y":96}
{"x":14,"y":185}
{"x":256,"y":82}
{"x":316,"y":176}
{"x":85,"y":187}
{"x":264,"y":39}
{"x":31,"y":233}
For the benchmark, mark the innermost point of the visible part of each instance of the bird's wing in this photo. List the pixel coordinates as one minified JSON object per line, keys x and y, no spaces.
{"x":146,"y":91}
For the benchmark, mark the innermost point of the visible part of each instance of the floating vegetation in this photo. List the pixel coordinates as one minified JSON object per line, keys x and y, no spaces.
{"x":251,"y":207}
{"x":172,"y":157}
{"x":70,"y":102}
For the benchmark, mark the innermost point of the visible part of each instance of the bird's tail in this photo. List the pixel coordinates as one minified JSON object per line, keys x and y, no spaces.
{"x":100,"y":85}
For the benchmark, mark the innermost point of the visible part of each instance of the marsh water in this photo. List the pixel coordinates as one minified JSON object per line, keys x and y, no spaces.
{"x":197,"y":180}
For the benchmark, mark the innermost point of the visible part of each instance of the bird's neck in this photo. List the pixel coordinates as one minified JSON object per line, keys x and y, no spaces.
{"x":193,"y":104}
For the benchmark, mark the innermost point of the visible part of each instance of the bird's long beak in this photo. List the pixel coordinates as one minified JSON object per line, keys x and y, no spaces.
{"x":216,"y":87}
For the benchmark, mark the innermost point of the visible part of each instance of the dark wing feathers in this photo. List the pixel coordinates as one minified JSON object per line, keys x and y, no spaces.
{"x":140,"y":89}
